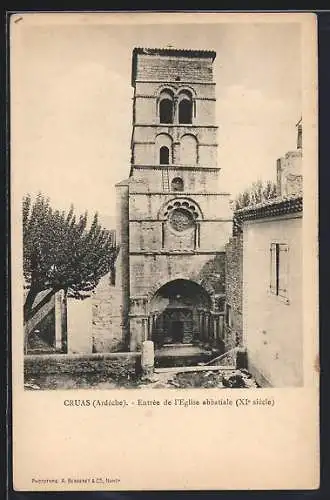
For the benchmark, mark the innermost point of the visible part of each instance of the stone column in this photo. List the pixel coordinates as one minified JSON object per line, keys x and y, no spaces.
{"x":150,"y":327}
{"x":207,"y":326}
{"x":215,"y":328}
{"x":202,"y":325}
{"x":175,"y":110}
{"x":176,"y":153}
{"x":195,"y":328}
{"x":221,"y":327}
{"x":136,"y":324}
{"x":147,"y":358}
{"x":145,"y":328}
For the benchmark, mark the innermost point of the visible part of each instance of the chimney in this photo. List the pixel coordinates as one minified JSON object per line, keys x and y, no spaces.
{"x":279,"y":176}
{"x":299,"y":134}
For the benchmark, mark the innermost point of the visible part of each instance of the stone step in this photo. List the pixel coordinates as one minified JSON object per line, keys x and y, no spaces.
{"x":179,"y":345}
{"x":185,"y":369}
{"x":173,"y":352}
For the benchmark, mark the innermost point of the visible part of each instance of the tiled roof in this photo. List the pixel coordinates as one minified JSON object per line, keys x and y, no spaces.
{"x":272,"y":208}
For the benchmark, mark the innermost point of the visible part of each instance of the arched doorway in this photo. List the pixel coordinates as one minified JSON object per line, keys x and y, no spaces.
{"x":179,"y":313}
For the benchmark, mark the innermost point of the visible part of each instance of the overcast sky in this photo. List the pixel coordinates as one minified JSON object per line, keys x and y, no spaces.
{"x":72,"y":103}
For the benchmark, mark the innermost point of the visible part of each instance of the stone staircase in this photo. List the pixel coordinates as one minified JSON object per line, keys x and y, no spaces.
{"x":191,"y":358}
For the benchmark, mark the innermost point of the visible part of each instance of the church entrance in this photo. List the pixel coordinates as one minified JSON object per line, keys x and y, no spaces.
{"x":177,"y":313}
{"x":177,"y":331}
{"x":175,"y":325}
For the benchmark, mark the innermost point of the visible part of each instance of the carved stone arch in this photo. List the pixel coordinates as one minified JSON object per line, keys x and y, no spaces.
{"x":186,"y":97}
{"x":189,"y":134}
{"x":180,"y":202}
{"x":164,"y":134}
{"x":165,"y":87}
{"x":178,"y":276}
{"x":204,"y":284}
{"x":186,"y":88}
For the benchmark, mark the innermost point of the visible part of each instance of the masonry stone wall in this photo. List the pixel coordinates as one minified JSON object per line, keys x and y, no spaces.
{"x":146,"y":152}
{"x":203,"y":91}
{"x":150,"y":271}
{"x":115,"y":365}
{"x":167,"y":68}
{"x":233,"y":327}
{"x":146,"y":207}
{"x":175,"y":74}
{"x":147,"y":236}
{"x":194,"y":181}
{"x":289,"y":173}
{"x":122,"y":262}
{"x":79,"y":325}
{"x":148,"y":133}
{"x":107,"y":321}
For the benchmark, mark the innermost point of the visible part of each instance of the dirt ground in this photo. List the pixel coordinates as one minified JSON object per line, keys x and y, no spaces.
{"x":206,"y":379}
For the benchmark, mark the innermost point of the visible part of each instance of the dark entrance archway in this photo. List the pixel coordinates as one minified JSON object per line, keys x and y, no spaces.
{"x":179,"y":313}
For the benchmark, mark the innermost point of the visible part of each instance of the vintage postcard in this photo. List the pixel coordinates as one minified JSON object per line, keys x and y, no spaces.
{"x":164,"y":251}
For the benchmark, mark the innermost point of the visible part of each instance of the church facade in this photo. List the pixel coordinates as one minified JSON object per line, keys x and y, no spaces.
{"x":173,"y":218}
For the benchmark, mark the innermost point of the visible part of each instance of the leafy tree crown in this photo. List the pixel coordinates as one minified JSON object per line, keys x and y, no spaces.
{"x":60,"y":251}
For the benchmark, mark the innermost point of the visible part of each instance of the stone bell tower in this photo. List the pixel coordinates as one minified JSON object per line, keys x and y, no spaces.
{"x":174,"y":217}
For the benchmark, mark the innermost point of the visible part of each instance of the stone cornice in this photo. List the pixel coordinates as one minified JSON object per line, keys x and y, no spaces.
{"x":175,"y":167}
{"x":152,"y":96}
{"x":179,"y":193}
{"x":176,"y":142}
{"x":178,"y":125}
{"x":174,"y":82}
{"x":167,"y":51}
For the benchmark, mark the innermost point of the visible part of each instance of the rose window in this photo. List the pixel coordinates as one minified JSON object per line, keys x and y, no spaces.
{"x":181,"y":219}
{"x":181,"y":214}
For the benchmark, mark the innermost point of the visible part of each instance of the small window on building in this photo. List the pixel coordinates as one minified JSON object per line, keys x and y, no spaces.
{"x":279,"y":269}
{"x":185,"y":111}
{"x":177,"y":184}
{"x":164,"y":155}
{"x":166,"y":111}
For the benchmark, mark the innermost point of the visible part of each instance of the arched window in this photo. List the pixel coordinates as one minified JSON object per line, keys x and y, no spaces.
{"x":185,"y":111}
{"x":166,"y":107}
{"x":163,"y":149}
{"x":177,"y":184}
{"x":164,"y":155}
{"x":166,"y":111}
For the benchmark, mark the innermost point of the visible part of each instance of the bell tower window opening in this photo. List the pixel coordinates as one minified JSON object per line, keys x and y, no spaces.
{"x":166,"y":111}
{"x":164,"y":155}
{"x":177,"y":184}
{"x":185,"y":111}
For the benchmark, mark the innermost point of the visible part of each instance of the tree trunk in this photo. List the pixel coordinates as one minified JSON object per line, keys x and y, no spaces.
{"x":30,"y":311}
{"x":32,"y":293}
{"x":31,"y":296}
